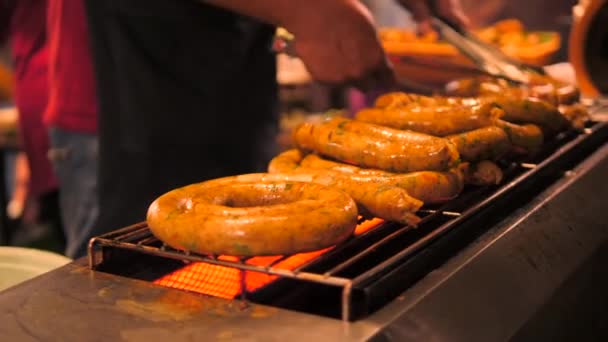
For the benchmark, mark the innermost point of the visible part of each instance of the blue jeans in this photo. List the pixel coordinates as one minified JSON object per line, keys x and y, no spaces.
{"x":74,"y":159}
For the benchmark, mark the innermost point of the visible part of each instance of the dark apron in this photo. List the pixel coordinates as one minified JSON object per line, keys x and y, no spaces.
{"x":187,"y":93}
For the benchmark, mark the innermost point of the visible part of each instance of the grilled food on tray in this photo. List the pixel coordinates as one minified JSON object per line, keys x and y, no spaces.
{"x":388,"y":162}
{"x":542,"y":100}
{"x":540,"y":87}
{"x":425,"y":113}
{"x":535,"y":47}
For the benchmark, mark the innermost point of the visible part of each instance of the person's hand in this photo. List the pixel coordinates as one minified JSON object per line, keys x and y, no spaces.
{"x":338,"y":43}
{"x":422,"y":10}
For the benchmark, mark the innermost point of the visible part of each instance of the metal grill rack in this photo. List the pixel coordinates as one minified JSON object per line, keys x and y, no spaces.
{"x":553,"y":161}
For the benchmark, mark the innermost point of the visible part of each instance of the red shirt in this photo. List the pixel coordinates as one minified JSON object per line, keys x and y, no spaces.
{"x":25,"y":28}
{"x":72,"y":95}
{"x":26,"y":33}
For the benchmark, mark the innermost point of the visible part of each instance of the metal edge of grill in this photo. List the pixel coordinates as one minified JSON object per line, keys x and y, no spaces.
{"x":138,"y":237}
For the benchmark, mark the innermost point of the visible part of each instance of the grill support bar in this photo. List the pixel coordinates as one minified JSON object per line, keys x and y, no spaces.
{"x":549,"y":166}
{"x":313,"y":277}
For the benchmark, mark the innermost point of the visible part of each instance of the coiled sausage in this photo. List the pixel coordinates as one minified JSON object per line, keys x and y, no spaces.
{"x":254,"y":214}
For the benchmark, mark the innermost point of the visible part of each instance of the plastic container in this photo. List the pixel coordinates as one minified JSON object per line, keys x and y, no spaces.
{"x":18,"y":264}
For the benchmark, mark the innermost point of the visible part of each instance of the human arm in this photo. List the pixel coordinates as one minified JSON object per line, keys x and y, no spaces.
{"x":336,"y":39}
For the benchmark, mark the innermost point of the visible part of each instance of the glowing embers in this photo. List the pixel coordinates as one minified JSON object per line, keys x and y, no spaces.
{"x":226,"y":282}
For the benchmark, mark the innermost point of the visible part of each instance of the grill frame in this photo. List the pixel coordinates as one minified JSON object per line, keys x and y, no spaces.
{"x":553,"y":161}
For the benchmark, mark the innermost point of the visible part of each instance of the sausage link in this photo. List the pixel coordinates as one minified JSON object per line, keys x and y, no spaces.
{"x":568,"y":94}
{"x":532,"y":111}
{"x":286,"y":162}
{"x":484,"y":143}
{"x":527,"y":137}
{"x":315,"y":161}
{"x":401,"y":99}
{"x":428,"y":186}
{"x":540,"y":87}
{"x":375,"y":146}
{"x":577,"y":114}
{"x":396,"y":99}
{"x":483,"y":173}
{"x":551,"y":90}
{"x":440,"y":120}
{"x":373,"y":197}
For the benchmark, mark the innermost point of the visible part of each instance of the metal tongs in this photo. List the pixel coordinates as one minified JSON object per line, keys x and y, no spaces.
{"x":489,"y":59}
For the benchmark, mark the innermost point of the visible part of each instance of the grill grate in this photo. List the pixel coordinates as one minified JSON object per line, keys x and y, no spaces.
{"x":555,"y":159}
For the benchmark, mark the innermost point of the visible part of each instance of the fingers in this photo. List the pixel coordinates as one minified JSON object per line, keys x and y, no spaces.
{"x":452,"y":10}
{"x":382,"y":78}
{"x":419,"y":9}
{"x":366,"y":65}
{"x":365,"y":77}
{"x":346,"y":51}
{"x":422,"y":10}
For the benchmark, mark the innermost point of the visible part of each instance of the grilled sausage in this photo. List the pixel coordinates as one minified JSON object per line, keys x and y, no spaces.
{"x":375,"y":146}
{"x":439,"y":120}
{"x":577,"y":114}
{"x":520,"y":109}
{"x":315,"y":161}
{"x":401,"y":99}
{"x":474,"y":87}
{"x":551,"y":90}
{"x":540,"y":87}
{"x":484,"y":143}
{"x":255,"y":214}
{"x":532,"y":111}
{"x":428,"y":186}
{"x":568,"y":94}
{"x":527,"y":137}
{"x":483,"y":173}
{"x":395,"y":99}
{"x":373,"y":198}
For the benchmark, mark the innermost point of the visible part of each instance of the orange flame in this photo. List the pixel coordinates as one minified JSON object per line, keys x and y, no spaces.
{"x":225,"y":282}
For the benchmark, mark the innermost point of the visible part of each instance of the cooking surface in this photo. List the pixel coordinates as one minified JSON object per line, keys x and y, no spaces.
{"x":365,"y":272}
{"x":492,"y":290}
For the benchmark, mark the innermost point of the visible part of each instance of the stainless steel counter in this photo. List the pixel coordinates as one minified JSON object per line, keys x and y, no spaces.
{"x":537,"y":275}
